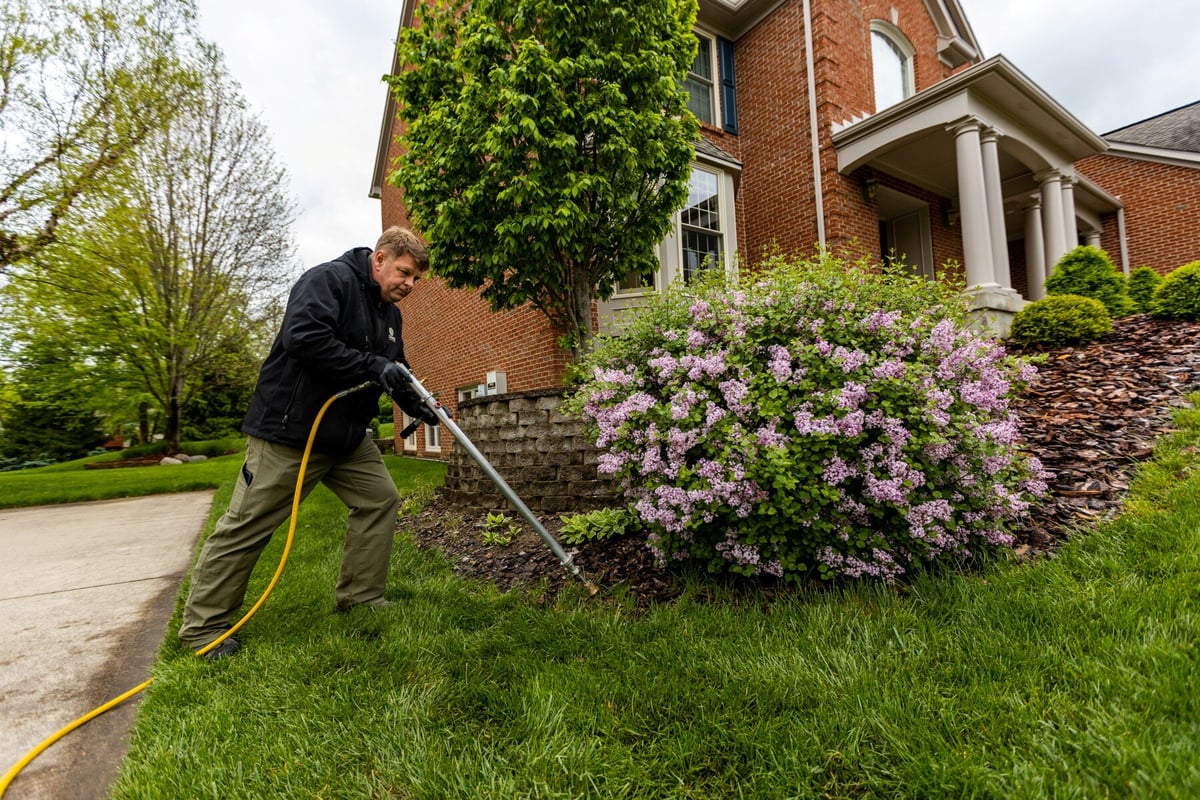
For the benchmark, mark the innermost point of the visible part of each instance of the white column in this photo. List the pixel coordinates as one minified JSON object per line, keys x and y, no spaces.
{"x":1070,"y":229}
{"x":1035,"y":251}
{"x":972,"y":203}
{"x":1091,"y":238}
{"x":994,"y":194}
{"x":1052,"y":217}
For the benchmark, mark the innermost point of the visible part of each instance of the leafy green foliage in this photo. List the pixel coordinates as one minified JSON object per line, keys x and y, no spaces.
{"x":184,"y":264}
{"x":1087,"y":271}
{"x":598,"y":525}
{"x":548,"y":145}
{"x":50,"y":415}
{"x":1061,"y":319}
{"x":823,"y":418}
{"x":500,"y":529}
{"x":1178,"y":296}
{"x":84,"y":85}
{"x":1142,"y":283}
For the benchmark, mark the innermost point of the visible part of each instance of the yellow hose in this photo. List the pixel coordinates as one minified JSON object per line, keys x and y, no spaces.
{"x":12,"y":773}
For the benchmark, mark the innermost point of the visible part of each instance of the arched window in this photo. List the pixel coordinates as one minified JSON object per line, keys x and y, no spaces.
{"x":891,"y":64}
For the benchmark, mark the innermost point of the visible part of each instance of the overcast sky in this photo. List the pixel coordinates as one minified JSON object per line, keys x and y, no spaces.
{"x":311,"y":69}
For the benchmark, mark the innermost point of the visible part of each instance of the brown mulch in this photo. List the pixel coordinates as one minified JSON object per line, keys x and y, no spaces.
{"x":1092,"y":414}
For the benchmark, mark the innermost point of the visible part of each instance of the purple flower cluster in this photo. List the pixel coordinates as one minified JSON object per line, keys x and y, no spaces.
{"x":780,"y":432}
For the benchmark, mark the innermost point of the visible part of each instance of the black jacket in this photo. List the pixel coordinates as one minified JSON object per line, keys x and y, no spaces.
{"x":337,"y":332}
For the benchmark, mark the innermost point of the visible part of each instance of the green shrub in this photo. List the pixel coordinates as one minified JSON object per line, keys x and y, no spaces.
{"x":1178,"y":296}
{"x":1060,"y":320}
{"x":1087,"y":271}
{"x":604,"y":523}
{"x":1142,"y":283}
{"x":820,"y":419}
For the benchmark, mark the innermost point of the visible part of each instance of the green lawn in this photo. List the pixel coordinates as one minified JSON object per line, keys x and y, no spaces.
{"x":1071,"y":677}
{"x":48,"y":485}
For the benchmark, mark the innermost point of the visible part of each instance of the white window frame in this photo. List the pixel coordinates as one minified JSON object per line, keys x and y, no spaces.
{"x":670,"y":254}
{"x":671,"y":249}
{"x":433,"y":438}
{"x":708,"y":41}
{"x":900,"y":44}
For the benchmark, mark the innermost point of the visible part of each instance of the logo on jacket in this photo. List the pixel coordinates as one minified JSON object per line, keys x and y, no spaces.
{"x":391,"y":334}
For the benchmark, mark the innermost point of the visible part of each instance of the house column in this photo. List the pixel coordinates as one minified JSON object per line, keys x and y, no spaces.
{"x":1053,"y":232}
{"x":994,"y":194}
{"x":1092,"y":238}
{"x":1035,"y":251}
{"x":972,"y":203}
{"x":1070,"y":229}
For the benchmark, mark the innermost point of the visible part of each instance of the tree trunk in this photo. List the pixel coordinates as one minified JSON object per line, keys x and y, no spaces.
{"x":581,"y":337}
{"x":172,"y":433}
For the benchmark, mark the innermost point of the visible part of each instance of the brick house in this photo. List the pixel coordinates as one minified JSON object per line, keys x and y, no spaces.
{"x":867,"y":127}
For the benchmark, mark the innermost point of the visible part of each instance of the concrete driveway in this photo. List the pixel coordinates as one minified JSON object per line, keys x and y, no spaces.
{"x":86,"y":592}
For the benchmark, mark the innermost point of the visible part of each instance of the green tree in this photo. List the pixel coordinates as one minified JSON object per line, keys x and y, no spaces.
{"x":82,"y":84}
{"x":547,"y":146}
{"x":50,"y":413}
{"x":183,"y":261}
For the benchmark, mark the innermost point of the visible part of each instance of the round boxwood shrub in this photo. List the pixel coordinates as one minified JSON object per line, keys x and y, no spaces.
{"x":1087,"y":271}
{"x":1178,"y":296}
{"x":1061,"y":319}
{"x":1142,"y":283}
{"x":816,"y":419}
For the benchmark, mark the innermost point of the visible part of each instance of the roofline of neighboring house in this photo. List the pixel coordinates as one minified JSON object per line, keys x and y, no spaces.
{"x":1162,"y":155}
{"x":998,"y":67}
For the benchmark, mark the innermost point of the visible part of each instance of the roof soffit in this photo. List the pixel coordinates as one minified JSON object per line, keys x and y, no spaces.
{"x":732,"y":18}
{"x":956,"y":41}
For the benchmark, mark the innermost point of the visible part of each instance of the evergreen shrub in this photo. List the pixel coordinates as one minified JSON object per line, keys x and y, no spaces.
{"x":1178,"y":296}
{"x":1061,"y":319}
{"x":819,"y":418}
{"x":1087,"y":271}
{"x":1142,"y":283}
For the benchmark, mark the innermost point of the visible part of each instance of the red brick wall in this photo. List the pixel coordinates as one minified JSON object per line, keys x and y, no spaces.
{"x":1162,"y":210}
{"x":450,"y":337}
{"x":777,"y":195}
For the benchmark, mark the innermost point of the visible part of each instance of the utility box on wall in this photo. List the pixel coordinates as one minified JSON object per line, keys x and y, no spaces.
{"x":497,"y":383}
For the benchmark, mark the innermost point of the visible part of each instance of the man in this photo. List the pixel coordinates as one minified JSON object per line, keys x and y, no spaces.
{"x":340,"y":329}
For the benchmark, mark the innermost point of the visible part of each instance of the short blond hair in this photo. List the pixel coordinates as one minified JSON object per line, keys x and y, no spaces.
{"x":398,"y":240}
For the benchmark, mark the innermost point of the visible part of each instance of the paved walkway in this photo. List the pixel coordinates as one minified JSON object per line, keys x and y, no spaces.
{"x":86,"y":592}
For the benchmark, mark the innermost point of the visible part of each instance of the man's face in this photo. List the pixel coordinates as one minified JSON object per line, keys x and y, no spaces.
{"x":396,"y":275}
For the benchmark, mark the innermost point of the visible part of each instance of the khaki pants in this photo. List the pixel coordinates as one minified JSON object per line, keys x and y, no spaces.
{"x":262,"y":501}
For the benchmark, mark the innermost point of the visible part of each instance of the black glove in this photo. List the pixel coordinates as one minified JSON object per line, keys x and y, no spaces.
{"x":393,"y":379}
{"x":410,"y":403}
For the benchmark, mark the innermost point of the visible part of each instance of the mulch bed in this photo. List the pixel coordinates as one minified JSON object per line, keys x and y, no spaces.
{"x":1092,"y":414}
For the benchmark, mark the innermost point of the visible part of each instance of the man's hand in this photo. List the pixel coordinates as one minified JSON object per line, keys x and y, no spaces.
{"x":393,"y":379}
{"x":411,"y":404}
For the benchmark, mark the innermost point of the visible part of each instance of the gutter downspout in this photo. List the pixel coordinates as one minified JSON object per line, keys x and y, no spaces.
{"x":812,"y":123}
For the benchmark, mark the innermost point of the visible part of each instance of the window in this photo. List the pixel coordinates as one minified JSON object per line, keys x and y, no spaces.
{"x":433,"y":437}
{"x":892,"y":65}
{"x":700,"y":82}
{"x":704,"y":236}
{"x":700,"y":232}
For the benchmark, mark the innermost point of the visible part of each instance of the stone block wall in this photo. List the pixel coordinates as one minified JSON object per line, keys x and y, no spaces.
{"x":541,"y":453}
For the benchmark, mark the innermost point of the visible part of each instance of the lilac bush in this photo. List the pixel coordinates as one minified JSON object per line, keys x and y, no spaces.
{"x":823,"y":419}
